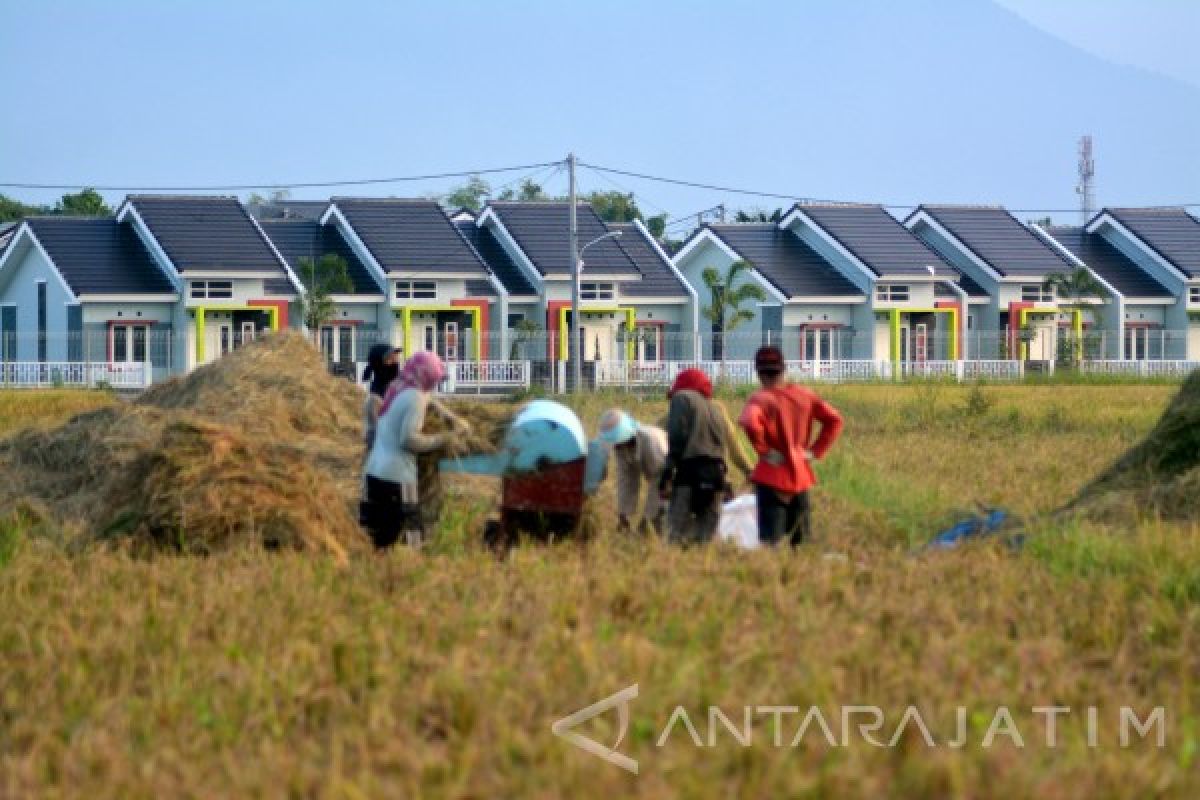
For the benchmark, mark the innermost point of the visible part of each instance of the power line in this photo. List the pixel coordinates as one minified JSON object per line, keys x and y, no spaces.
{"x":629,"y":191}
{"x":296,"y":185}
{"x":802,"y":200}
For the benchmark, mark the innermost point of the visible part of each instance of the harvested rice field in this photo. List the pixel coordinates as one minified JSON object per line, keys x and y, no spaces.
{"x":188,"y":610}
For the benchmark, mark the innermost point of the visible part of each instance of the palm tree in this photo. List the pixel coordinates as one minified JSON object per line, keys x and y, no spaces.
{"x":524,"y":331}
{"x":1075,"y":290}
{"x":725,"y":311}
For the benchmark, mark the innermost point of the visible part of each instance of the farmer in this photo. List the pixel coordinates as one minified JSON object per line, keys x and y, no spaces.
{"x":778,"y":420}
{"x":391,"y":505}
{"x":382,"y":368}
{"x":640,"y":452}
{"x":699,"y":439}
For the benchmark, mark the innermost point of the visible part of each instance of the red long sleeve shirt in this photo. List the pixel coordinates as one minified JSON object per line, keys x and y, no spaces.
{"x":781,"y":419}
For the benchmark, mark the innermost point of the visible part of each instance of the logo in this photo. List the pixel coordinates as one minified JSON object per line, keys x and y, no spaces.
{"x":620,"y":700}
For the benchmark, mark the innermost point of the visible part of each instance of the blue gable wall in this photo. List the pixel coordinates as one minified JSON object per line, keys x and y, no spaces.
{"x":742,"y":343}
{"x":25,"y":268}
{"x":835,"y":257}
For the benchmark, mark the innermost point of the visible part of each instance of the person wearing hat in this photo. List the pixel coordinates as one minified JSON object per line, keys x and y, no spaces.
{"x":778,"y":420}
{"x":700,"y":437}
{"x":640,"y":452}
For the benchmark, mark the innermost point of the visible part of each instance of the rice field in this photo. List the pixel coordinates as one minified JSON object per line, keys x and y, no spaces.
{"x":440,"y":673}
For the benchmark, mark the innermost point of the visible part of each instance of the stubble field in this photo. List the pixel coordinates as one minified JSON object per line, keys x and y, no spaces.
{"x":439,"y":673}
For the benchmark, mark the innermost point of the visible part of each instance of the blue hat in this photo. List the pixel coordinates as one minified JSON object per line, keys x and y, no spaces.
{"x":617,"y":427}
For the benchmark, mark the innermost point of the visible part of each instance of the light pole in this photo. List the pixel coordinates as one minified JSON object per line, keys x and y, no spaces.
{"x":574,"y":346}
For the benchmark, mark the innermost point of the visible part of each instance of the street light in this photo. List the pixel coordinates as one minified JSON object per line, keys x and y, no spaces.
{"x":573,"y":331}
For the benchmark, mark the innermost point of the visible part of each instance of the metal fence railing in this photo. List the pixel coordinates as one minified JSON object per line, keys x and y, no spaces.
{"x":75,"y":374}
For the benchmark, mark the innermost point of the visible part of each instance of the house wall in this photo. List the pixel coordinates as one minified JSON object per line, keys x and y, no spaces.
{"x":244,"y":290}
{"x":1175,"y":316}
{"x":747,"y":337}
{"x":25,"y":269}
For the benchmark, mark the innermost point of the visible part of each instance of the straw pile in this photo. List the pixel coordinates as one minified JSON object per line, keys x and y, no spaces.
{"x":489,"y":423}
{"x":1158,"y":477}
{"x":262,"y":446}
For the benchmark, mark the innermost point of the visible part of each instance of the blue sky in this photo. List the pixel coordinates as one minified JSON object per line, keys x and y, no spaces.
{"x":926,"y":100}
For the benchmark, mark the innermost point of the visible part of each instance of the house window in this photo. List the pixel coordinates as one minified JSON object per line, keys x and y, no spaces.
{"x":1035,"y":293}
{"x":514,"y":320}
{"x":1194,"y":294}
{"x":819,"y":343}
{"x":212,"y":290}
{"x":891,"y":293}
{"x":41,"y":321}
{"x":416,"y":290}
{"x":597,"y":291}
{"x":649,"y":342}
{"x":337,"y":343}
{"x":128,"y":343}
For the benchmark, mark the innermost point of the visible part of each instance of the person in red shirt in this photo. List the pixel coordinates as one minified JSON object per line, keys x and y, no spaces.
{"x":778,"y":420}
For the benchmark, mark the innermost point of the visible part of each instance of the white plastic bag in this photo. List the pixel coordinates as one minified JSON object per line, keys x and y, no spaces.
{"x":739,"y":522}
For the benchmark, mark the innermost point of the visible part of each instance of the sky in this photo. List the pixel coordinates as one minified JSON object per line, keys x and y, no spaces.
{"x":870,"y":100}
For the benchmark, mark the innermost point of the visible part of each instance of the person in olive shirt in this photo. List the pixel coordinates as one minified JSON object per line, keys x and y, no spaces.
{"x":700,"y":437}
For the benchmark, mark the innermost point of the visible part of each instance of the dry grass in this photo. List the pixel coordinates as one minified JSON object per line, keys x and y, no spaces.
{"x":438,"y":674}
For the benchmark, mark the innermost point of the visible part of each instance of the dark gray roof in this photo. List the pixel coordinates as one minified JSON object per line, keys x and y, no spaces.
{"x":410,"y":235}
{"x":542,"y":231}
{"x":1171,"y":232}
{"x":206,"y":233}
{"x":998,"y":239}
{"x":98,"y":255}
{"x":875,"y":237}
{"x":658,"y":279}
{"x":303,"y":238}
{"x":785,"y":260}
{"x":497,"y":258}
{"x":1108,"y":262}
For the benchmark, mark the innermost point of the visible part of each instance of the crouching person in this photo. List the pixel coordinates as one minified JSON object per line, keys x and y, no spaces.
{"x":699,"y":439}
{"x":391,"y":507}
{"x":778,"y":420}
{"x":640,"y":452}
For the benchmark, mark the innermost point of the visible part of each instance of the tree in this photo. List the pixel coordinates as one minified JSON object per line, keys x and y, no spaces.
{"x":14,"y":209}
{"x":87,"y":203}
{"x":657,"y":225}
{"x":725,"y":311}
{"x":757,"y":215}
{"x":528,"y":192}
{"x":469,"y":195}
{"x":322,"y":278}
{"x":1074,"y":290}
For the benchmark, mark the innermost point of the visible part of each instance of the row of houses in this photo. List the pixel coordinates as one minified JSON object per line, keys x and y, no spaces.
{"x":171,"y":282}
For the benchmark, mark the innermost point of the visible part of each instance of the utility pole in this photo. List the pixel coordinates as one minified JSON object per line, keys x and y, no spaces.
{"x":573,"y":329}
{"x":721,"y":213}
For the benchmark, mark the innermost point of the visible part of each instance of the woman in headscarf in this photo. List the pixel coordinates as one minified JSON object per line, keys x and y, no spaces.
{"x":382,"y":369}
{"x":700,"y":436}
{"x":392,"y":497}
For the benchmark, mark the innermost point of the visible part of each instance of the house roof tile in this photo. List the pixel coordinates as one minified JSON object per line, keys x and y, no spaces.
{"x":542,"y":232}
{"x":413,"y":236}
{"x":998,"y":239}
{"x":98,"y":255}
{"x":658,"y":279}
{"x":1108,"y":262}
{"x":1173,"y":233}
{"x":206,"y":233}
{"x":296,"y":239}
{"x":785,"y":260}
{"x":874,"y":237}
{"x":497,"y":258}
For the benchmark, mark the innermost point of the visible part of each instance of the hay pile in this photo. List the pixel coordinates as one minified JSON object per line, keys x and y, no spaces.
{"x":263,"y":445}
{"x":489,"y":423}
{"x":1158,"y":477}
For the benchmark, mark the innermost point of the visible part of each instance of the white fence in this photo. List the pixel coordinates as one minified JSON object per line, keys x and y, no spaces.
{"x":484,"y":376}
{"x":1140,"y":368}
{"x":632,"y":374}
{"x":35,"y":374}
